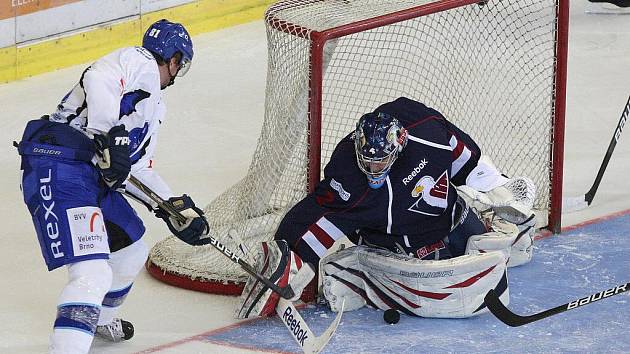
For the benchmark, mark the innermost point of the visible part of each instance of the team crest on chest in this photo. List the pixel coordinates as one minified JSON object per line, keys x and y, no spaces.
{"x":431,"y":195}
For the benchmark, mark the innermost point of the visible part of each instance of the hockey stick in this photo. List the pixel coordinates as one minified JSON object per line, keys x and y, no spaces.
{"x":511,"y":319}
{"x":286,"y":292}
{"x":290,"y":316}
{"x":300,"y":330}
{"x":578,"y":203}
{"x":285,"y":308}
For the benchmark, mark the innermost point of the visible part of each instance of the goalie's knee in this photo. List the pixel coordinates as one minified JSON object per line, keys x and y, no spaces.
{"x":340,"y":286}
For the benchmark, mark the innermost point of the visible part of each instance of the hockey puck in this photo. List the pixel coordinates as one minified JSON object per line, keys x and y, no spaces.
{"x":391,"y":316}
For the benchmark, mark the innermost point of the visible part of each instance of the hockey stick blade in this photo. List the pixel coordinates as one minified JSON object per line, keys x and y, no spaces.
{"x":573,"y":204}
{"x":578,"y":203}
{"x":508,"y":317}
{"x":300,"y":331}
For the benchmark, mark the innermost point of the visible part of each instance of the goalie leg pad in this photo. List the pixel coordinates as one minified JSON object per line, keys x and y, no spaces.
{"x":278,"y":263}
{"x":451,"y":288}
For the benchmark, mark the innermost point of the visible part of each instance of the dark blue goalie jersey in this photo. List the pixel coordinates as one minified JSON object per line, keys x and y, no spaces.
{"x":413,"y":209}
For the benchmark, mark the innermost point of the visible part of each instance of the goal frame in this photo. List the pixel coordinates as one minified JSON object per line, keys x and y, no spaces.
{"x":314,"y":84}
{"x":319,"y":38}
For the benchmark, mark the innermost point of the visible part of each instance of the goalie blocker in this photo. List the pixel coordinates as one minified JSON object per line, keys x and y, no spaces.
{"x":276,"y":262}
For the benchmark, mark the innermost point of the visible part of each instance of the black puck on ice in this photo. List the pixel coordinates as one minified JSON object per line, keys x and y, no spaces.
{"x":391,"y":316}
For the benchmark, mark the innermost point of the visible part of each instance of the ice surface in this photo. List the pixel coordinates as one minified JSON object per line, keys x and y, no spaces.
{"x":214,"y":118}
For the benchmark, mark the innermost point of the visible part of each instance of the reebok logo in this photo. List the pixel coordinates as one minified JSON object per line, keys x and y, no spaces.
{"x":415,"y":171}
{"x":294,"y":326}
{"x":121,"y":140}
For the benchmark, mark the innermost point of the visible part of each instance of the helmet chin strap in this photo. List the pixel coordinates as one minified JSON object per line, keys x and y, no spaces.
{"x":172,"y":80}
{"x":376,"y":182}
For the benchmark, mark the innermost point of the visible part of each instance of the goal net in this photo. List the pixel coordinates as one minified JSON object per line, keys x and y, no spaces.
{"x":495,"y":68}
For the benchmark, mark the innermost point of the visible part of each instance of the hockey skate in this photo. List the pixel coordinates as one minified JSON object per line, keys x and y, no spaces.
{"x":116,"y":331}
{"x":608,"y":7}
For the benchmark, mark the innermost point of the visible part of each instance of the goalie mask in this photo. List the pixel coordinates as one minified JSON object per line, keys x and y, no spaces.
{"x":378,"y":139}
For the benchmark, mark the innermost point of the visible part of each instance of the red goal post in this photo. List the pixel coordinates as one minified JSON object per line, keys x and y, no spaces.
{"x":497,"y":69}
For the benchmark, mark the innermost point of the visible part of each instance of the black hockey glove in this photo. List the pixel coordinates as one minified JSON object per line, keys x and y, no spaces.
{"x":195,"y":226}
{"x":112,"y":152}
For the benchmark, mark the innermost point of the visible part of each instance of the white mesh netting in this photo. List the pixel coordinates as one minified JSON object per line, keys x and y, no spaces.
{"x":489,"y":69}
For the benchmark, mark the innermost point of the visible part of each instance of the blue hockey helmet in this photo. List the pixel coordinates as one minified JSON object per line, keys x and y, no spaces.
{"x":378,"y":139}
{"x":165,"y":38}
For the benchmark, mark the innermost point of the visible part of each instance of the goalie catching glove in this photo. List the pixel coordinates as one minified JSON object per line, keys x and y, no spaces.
{"x":112,"y":156}
{"x":276,"y":262}
{"x":512,"y":201}
{"x":195,"y":226}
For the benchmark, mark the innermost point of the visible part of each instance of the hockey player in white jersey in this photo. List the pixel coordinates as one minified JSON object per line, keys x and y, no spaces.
{"x":75,"y":163}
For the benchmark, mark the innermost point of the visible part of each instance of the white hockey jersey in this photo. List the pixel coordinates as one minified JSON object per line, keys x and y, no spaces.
{"x":122,"y":87}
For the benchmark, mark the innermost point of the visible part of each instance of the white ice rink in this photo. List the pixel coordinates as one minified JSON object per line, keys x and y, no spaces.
{"x":214,"y":118}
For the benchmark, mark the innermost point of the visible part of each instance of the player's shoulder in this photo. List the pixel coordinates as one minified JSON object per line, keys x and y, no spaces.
{"x":139,"y":68}
{"x":343,"y":164}
{"x":419,"y":119}
{"x":138,"y":56}
{"x":344,"y":149}
{"x":129,"y":61}
{"x":410,"y":112}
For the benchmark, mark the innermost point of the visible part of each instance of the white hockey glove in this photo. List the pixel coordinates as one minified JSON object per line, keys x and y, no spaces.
{"x":512,"y":202}
{"x":500,"y":239}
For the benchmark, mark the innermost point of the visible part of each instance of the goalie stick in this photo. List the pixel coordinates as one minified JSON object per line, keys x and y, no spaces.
{"x":301,"y":332}
{"x":285,"y":292}
{"x":290,"y":316}
{"x":511,"y":319}
{"x":578,"y":203}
